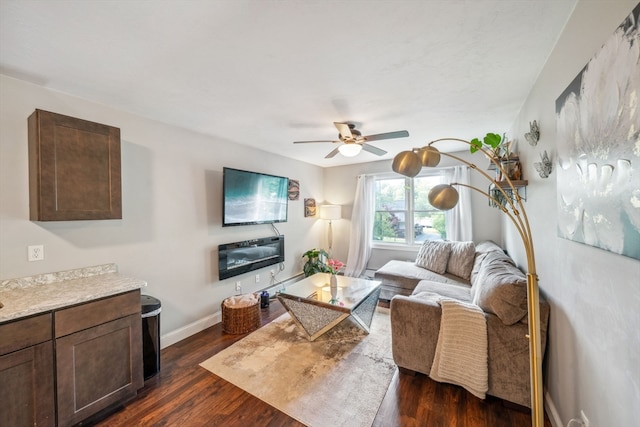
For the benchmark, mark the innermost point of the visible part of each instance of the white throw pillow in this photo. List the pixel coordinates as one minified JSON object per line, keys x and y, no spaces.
{"x":434,"y":255}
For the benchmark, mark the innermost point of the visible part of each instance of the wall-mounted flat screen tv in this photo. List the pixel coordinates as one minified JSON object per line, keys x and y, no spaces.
{"x":253,"y":198}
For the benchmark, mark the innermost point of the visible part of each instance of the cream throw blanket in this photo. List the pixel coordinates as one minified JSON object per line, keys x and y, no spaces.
{"x":461,"y":351}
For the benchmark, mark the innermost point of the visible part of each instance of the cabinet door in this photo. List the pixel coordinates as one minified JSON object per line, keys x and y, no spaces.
{"x":26,"y":387}
{"x":98,"y":367}
{"x":74,"y":169}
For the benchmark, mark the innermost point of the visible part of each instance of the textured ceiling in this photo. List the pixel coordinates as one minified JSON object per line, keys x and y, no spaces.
{"x":266,"y":73}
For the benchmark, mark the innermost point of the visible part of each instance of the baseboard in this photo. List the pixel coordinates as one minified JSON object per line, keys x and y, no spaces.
{"x":551,"y":411}
{"x":193,"y":328}
{"x":200,"y":325}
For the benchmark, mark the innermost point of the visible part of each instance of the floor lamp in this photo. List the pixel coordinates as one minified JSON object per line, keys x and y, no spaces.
{"x":330,"y":212}
{"x":445,"y":197}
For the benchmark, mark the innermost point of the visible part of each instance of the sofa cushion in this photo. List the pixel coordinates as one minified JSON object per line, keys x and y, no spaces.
{"x":461,"y":259}
{"x":458,"y":292}
{"x":482,"y":249}
{"x":500,"y":288}
{"x":406,"y":275}
{"x":488,"y":246}
{"x":434,"y":255}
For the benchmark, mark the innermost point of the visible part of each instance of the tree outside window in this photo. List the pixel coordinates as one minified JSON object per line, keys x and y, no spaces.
{"x":402,"y":204}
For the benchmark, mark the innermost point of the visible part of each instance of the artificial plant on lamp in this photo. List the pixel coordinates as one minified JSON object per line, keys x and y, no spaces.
{"x":445,"y":197}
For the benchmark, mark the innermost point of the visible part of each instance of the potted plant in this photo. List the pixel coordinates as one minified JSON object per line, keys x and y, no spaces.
{"x":315,"y":262}
{"x":499,"y":149}
{"x":492,"y":142}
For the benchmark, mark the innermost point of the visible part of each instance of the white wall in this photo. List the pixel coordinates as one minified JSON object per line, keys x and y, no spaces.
{"x":593,"y":361}
{"x":171,"y":226}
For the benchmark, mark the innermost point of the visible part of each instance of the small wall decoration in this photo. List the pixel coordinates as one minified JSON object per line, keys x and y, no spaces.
{"x":309,"y":207}
{"x":544,"y":166}
{"x":598,"y":129}
{"x":533,"y":136}
{"x":294,"y":189}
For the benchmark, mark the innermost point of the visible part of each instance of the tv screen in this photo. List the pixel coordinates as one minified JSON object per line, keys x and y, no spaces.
{"x":253,"y":198}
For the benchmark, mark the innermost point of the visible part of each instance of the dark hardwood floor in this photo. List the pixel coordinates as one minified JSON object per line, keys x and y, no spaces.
{"x":184,"y":394}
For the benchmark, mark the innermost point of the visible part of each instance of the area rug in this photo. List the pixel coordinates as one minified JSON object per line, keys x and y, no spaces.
{"x":339,"y":379}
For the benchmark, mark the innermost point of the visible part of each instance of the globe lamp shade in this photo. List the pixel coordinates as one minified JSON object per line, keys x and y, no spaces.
{"x":429,"y":156}
{"x":443,"y":197}
{"x":407,"y":163}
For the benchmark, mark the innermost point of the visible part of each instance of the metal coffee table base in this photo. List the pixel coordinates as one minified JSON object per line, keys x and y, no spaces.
{"x":315,"y":318}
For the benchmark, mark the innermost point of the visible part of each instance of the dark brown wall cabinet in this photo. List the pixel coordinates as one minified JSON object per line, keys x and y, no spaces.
{"x":74,"y":169}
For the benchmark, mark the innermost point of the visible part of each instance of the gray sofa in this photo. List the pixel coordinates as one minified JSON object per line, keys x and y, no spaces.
{"x":480,"y":274}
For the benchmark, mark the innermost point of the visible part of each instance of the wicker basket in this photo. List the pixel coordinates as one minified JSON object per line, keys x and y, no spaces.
{"x":241,"y":319}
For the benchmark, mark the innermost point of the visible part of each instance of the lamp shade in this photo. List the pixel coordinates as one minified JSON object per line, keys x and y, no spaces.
{"x":407,"y":163}
{"x":350,"y":150}
{"x":429,"y":156}
{"x":443,"y":197}
{"x":330,"y":212}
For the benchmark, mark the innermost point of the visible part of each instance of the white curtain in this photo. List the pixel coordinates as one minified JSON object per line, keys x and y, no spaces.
{"x":361,"y":227}
{"x":458,"y":220}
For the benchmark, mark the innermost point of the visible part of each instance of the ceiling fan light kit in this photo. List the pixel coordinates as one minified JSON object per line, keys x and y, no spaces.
{"x":350,"y":150}
{"x":352,"y":141}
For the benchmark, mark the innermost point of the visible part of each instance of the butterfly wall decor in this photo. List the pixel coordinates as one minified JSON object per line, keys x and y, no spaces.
{"x":544,"y":166}
{"x":534,"y":133}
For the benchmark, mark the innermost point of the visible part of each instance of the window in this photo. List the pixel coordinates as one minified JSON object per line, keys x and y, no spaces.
{"x":402,"y":204}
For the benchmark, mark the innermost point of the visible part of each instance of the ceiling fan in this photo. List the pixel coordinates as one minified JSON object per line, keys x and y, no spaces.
{"x":351,"y":140}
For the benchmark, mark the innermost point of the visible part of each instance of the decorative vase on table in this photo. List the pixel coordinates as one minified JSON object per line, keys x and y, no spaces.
{"x":333,"y":266}
{"x":333,"y":284}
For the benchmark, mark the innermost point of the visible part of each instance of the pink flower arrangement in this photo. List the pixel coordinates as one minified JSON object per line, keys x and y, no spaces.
{"x":334,"y":265}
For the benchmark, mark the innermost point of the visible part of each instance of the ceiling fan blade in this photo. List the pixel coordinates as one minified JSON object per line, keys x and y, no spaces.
{"x":306,"y":142}
{"x":387,"y":135}
{"x":332,"y":154}
{"x":375,"y":150}
{"x":344,"y":130}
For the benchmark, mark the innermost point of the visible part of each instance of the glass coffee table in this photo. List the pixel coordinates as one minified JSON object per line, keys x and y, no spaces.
{"x":312,"y":308}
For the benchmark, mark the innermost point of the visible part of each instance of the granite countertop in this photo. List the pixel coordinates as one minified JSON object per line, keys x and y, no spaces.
{"x":31,"y":295}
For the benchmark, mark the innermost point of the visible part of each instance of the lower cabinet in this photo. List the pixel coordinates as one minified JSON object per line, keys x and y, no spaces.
{"x":64,"y":366}
{"x":26,"y":373}
{"x":98,"y":367}
{"x":98,"y":356}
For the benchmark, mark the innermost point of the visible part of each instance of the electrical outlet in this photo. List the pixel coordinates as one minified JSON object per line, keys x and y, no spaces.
{"x":585,"y":420}
{"x":239,"y":286}
{"x":257,"y":278}
{"x":273,"y":273}
{"x":35,"y":253}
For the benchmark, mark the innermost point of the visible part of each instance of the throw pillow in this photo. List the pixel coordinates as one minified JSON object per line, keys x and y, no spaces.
{"x":482,"y":249}
{"x":434,"y":255}
{"x":488,"y":246}
{"x":501,"y":288}
{"x":461,"y":259}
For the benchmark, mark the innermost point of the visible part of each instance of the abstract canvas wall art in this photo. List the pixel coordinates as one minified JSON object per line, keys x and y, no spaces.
{"x":309,"y":207}
{"x":598,"y":131}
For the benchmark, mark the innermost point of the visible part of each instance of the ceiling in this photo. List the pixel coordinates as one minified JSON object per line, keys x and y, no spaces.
{"x":265,"y":73}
